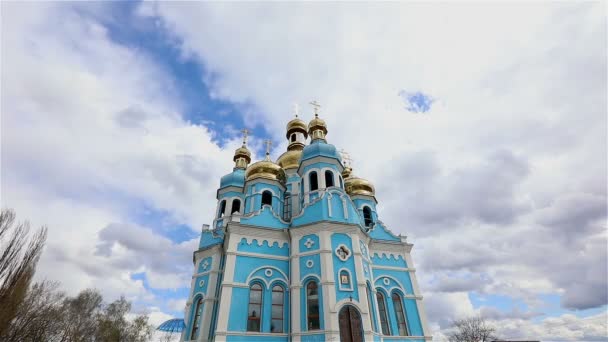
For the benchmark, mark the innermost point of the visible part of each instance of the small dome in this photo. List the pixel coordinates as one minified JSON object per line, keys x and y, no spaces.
{"x":235,"y":178}
{"x":242,"y":151}
{"x":359,"y":186}
{"x":290,"y":159}
{"x":320,"y":148}
{"x":173,"y":325}
{"x":265,"y":169}
{"x":315,"y":124}
{"x":296,"y":125}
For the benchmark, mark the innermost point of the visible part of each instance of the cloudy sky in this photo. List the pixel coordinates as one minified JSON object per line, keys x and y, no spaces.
{"x":483,"y":128}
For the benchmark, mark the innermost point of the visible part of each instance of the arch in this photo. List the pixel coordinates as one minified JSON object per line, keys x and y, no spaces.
{"x":277,"y":322}
{"x":384,"y":323}
{"x":236,"y":206}
{"x":293,"y":137}
{"x":345,"y":280}
{"x":254,"y":311}
{"x":287,"y":206}
{"x":400,"y":313}
{"x":196,"y":318}
{"x":266,"y":198}
{"x":341,"y":182}
{"x":367,"y":216}
{"x":257,"y":278}
{"x":329,"y":178}
{"x":313,"y":321}
{"x":222,"y":209}
{"x":313,"y":180}
{"x":351,"y":327}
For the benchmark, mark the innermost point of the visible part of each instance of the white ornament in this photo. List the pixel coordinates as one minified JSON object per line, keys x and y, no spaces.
{"x":268,"y":272}
{"x":343,"y":252}
{"x":386,"y":281}
{"x":310,"y":263}
{"x":201,"y":283}
{"x":309,"y":243}
{"x":205,"y":264}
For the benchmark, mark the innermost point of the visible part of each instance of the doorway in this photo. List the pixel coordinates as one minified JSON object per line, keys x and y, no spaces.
{"x":351,"y":329}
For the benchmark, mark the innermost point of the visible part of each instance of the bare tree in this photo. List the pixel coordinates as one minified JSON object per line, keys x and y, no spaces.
{"x":80,"y":316}
{"x":18,"y":260}
{"x":472,"y":329}
{"x":113,"y":326}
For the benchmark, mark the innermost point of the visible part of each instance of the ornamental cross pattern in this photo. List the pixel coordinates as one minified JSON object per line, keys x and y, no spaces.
{"x":309,"y":243}
{"x":342,"y":253}
{"x":205,"y":264}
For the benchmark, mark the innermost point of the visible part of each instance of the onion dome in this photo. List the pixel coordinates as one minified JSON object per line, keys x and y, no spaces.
{"x":296,"y":125}
{"x":317,"y":128}
{"x":235,"y":178}
{"x":290,"y":159}
{"x":359,"y":186}
{"x":265,"y":169}
{"x":320,"y":148}
{"x":242,"y":156}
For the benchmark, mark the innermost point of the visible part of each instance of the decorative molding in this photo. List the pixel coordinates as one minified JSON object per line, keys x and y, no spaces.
{"x":343,"y":252}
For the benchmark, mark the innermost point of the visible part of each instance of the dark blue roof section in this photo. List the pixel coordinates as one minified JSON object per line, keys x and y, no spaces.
{"x":235,"y":178}
{"x":172,"y":325}
{"x":320,"y":148}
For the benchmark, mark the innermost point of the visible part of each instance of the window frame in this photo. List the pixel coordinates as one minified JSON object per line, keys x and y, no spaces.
{"x":260,"y":304}
{"x":282,"y":305}
{"x":262,"y":204}
{"x":309,"y":316}
{"x":329,"y":176}
{"x":368,"y":221}
{"x":384,"y":322}
{"x":196,"y":319}
{"x":238,"y":211}
{"x":398,"y":306}
{"x":311,"y":183}
{"x":222,"y":209}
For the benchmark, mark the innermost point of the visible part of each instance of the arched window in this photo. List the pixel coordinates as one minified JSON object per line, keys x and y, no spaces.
{"x":266,"y":198}
{"x":222,"y":210}
{"x":255,"y":308}
{"x":382,"y":312}
{"x":196,"y":322}
{"x":367,"y":216}
{"x":400,"y":314}
{"x":344,"y":278}
{"x":341,"y":182}
{"x":314,"y":181}
{"x":312,"y":306}
{"x":236,"y":206}
{"x":329,"y":178}
{"x":370,"y":306}
{"x":293,"y":137}
{"x":287,"y":206}
{"x":278,"y":301}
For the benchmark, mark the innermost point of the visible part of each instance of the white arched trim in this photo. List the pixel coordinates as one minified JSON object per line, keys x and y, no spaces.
{"x":349,"y":286}
{"x":347,"y":301}
{"x":389,"y":290}
{"x":250,"y":278}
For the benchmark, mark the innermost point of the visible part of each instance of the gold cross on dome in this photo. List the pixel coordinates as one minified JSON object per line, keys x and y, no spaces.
{"x":245,"y":131}
{"x":268,"y":143}
{"x":316,"y":107}
{"x":346,"y":159}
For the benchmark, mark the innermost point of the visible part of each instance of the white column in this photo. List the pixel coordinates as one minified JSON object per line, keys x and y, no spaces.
{"x":329,"y":288}
{"x":295,"y":289}
{"x":361,"y":287}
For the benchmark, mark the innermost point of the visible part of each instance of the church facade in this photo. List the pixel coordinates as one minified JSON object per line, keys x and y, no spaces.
{"x":297,"y":253}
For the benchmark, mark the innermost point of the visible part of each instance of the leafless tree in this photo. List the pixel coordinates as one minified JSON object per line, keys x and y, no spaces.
{"x":18,"y":260}
{"x":472,"y":329}
{"x":114,"y":327}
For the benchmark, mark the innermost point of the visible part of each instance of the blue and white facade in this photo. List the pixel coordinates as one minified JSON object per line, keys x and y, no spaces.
{"x":297,"y":253}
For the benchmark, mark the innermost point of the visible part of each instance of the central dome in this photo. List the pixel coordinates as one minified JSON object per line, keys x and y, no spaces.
{"x":290,"y":159}
{"x":265,"y":169}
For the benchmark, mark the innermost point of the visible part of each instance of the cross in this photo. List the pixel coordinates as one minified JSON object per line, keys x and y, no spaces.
{"x":296,"y":109}
{"x":346,"y":159}
{"x":268,"y":144}
{"x":245,"y":131}
{"x":316,"y":106}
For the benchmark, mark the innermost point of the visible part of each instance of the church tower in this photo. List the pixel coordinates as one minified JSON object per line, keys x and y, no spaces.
{"x":297,"y":253}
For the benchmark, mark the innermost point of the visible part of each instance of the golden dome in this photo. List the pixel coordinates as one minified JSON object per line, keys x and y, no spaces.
{"x":316,"y":124}
{"x":359,"y":186}
{"x":290,"y":159}
{"x":296,"y":125}
{"x":265,"y":169}
{"x":242,"y":152}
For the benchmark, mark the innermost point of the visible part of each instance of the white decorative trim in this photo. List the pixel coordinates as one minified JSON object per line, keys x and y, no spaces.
{"x":386,"y":281}
{"x":310,"y":263}
{"x":257,"y":255}
{"x":201,"y":283}
{"x":268,"y":272}
{"x":309,"y":243}
{"x":345,"y":255}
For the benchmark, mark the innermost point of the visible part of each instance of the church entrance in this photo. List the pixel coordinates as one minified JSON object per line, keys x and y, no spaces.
{"x":351,"y":329}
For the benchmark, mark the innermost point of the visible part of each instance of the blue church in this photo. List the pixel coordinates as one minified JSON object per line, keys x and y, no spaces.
{"x":297,"y":252}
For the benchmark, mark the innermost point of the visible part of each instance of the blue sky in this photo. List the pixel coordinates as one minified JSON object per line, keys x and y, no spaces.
{"x":474,"y":139}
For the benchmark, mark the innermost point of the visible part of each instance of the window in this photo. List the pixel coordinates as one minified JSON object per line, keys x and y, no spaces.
{"x":287,"y":207}
{"x":400,"y":314}
{"x":382,"y":311}
{"x":266,"y":198}
{"x":314,"y":182}
{"x":341,"y":182}
{"x":372,"y":316}
{"x":344,"y":278}
{"x":312,"y":306}
{"x":222,"y":208}
{"x":197,"y":318}
{"x":329,"y":179}
{"x":278,"y":297}
{"x":255,"y":308}
{"x":367,"y":216}
{"x":293,"y":137}
{"x":236,"y":206}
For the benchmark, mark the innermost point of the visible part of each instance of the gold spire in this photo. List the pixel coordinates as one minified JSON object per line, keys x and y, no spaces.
{"x":242,"y":155}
